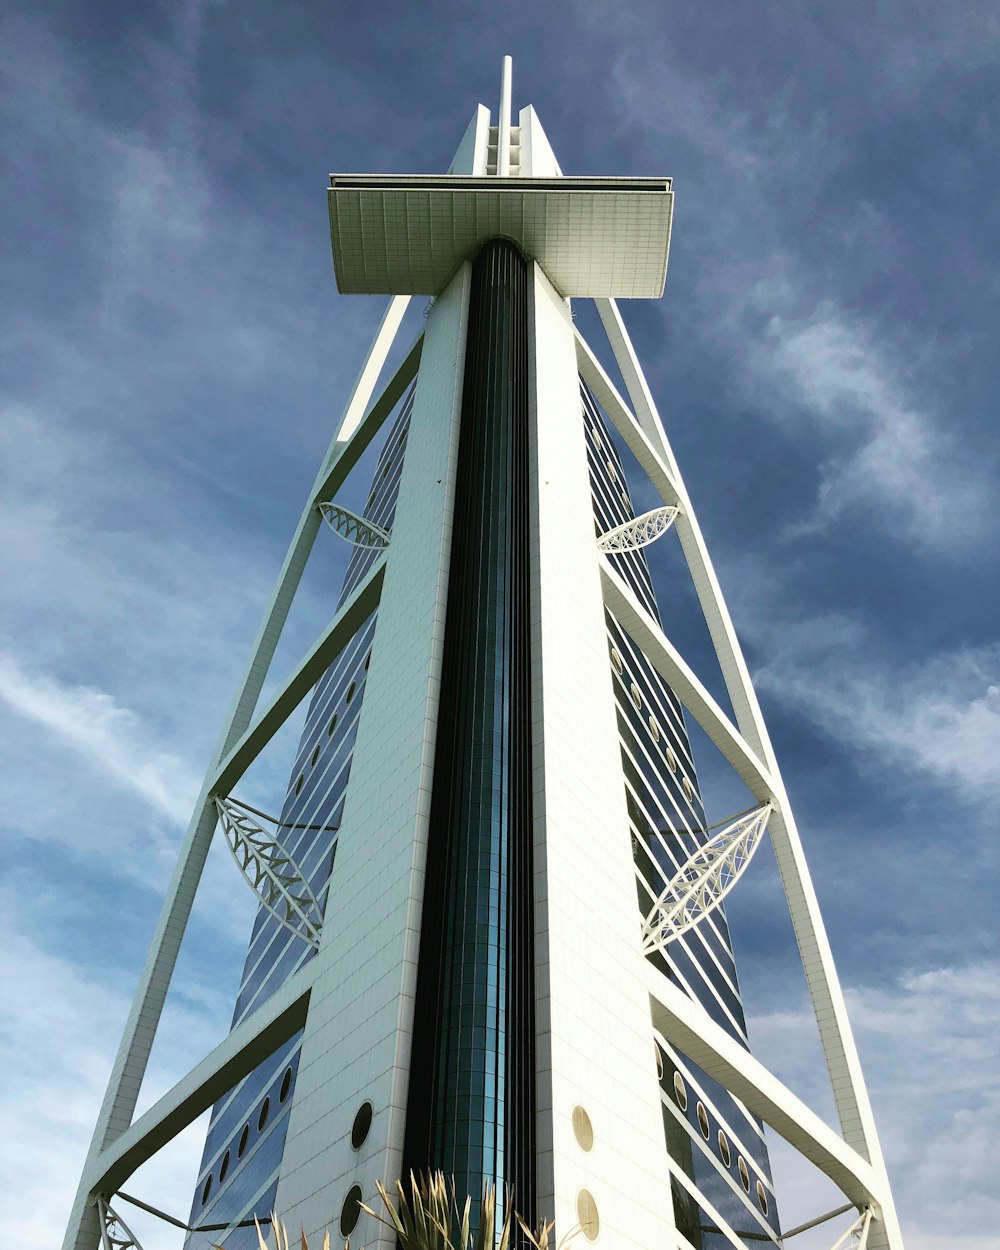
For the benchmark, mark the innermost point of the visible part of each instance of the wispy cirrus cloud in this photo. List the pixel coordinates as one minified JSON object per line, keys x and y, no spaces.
{"x":938,"y":716}
{"x":895,"y":462}
{"x":56,"y":1047}
{"x":111,"y":737}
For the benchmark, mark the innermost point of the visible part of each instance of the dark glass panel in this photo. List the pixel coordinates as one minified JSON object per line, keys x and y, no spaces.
{"x":471,"y":1099}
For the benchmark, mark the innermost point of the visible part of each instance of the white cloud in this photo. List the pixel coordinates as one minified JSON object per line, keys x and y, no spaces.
{"x":939,"y":717}
{"x":928,"y":1047}
{"x":57,"y":1037}
{"x":843,"y":381}
{"x":109,"y":736}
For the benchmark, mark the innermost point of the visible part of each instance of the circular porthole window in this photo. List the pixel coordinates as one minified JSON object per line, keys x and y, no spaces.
{"x":265,"y":1107}
{"x":332,"y":727}
{"x":243,"y":1141}
{"x":688,"y":788}
{"x":727,"y":1158}
{"x":612,"y":471}
{"x":654,"y":729}
{"x":225,"y":1167}
{"x":350,"y":693}
{"x":583,"y":1130}
{"x":207,"y":1190}
{"x":586,"y":1214}
{"x":703,"y":1120}
{"x":362,"y":1125}
{"x":636,"y":695}
{"x":298,"y":784}
{"x":680,"y":1091}
{"x":659,"y":1061}
{"x":762,"y":1197}
{"x":616,"y":660}
{"x":744,"y":1173}
{"x":350,"y":1212}
{"x":368,"y":660}
{"x":286,"y":1085}
{"x":626,"y":502}
{"x":671,"y":760}
{"x":596,"y":437}
{"x":315,"y":756}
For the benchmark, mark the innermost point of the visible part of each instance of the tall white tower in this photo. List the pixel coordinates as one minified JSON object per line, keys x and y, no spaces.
{"x":491,"y":935}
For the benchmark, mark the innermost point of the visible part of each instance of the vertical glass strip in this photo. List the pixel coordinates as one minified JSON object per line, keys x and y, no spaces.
{"x":472,"y":1095}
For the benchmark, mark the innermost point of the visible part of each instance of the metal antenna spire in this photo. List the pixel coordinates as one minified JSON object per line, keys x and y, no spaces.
{"x":503,"y":129}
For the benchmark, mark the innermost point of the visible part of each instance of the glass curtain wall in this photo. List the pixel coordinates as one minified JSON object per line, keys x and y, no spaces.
{"x":472,"y":1079}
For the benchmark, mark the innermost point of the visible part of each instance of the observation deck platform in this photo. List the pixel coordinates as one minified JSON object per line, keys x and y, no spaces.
{"x":407,"y":234}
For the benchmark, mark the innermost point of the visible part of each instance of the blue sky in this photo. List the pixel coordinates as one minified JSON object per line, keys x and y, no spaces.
{"x":175,"y":356}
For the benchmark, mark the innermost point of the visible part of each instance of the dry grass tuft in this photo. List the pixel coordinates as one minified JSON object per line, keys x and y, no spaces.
{"x":430,"y":1219}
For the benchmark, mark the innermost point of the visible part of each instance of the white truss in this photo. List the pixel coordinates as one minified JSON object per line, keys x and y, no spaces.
{"x":273,"y":875}
{"x":855,"y":1237}
{"x":115,"y":1233}
{"x":355,"y":529}
{"x":704,"y":880}
{"x":639,"y":532}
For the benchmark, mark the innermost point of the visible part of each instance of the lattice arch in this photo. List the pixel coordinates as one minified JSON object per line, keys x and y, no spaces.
{"x":353,"y":528}
{"x":639,"y":532}
{"x":273,"y":875}
{"x":704,"y":880}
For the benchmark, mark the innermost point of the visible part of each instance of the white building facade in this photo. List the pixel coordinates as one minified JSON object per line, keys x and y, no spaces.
{"x":491,"y":936}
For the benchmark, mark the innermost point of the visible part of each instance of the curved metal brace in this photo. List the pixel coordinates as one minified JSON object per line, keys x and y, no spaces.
{"x":353,"y":528}
{"x":273,"y":876}
{"x":704,"y":880}
{"x":115,"y":1233}
{"x":639,"y":532}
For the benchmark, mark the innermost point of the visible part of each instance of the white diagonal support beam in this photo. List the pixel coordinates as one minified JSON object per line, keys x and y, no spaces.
{"x":248,"y":1045}
{"x":839,"y":1048}
{"x":688,"y":1026}
{"x":356,"y":431}
{"x":346,"y":454}
{"x":352,"y":615}
{"x":662,"y":475}
{"x":634,"y":378}
{"x":374,"y":363}
{"x":624,"y":605}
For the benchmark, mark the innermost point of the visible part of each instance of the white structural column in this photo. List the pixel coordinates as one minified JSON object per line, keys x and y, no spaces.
{"x":537,"y":158}
{"x":503,"y":119}
{"x":357,"y":1037}
{"x":473,"y":151}
{"x":82,"y":1232}
{"x":840,"y":1051}
{"x":594,"y":1032}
